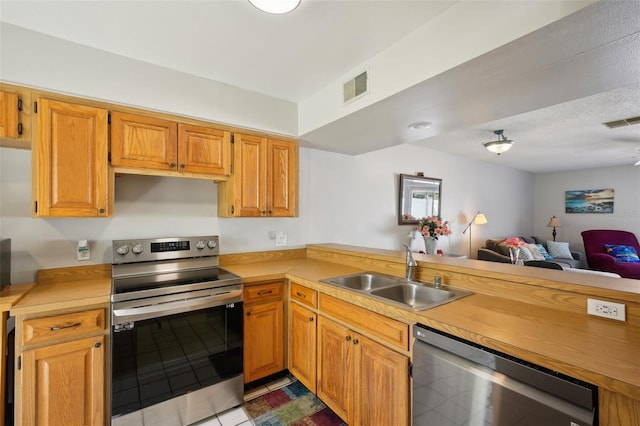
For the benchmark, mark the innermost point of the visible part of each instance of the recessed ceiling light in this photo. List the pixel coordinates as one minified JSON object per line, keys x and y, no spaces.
{"x":276,"y":7}
{"x":419,"y":125}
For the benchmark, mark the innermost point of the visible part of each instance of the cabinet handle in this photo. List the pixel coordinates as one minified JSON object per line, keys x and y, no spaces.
{"x":61,"y":327}
{"x":311,"y":319}
{"x":355,"y":341}
{"x":172,"y":165}
{"x":97,"y":345}
{"x":182,"y":166}
{"x":248,"y":314}
{"x":303,"y":296}
{"x":101,"y":211}
{"x":348,"y":338}
{"x":263,"y":292}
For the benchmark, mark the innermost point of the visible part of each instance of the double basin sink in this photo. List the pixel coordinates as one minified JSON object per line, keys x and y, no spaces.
{"x":409,"y":294}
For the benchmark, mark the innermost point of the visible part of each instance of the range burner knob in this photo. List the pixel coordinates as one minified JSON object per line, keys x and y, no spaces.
{"x":137,"y":249}
{"x":122,"y":250}
{"x":200,"y":244}
{"x":211,"y":244}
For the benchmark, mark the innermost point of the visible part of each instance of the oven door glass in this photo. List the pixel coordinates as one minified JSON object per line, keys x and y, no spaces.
{"x":161,"y":358}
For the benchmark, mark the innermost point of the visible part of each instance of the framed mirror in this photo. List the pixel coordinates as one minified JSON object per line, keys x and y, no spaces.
{"x":419,"y":197}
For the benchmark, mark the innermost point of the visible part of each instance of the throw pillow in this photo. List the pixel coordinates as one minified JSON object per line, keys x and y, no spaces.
{"x":535,"y":252}
{"x":543,"y":252}
{"x":503,"y":249}
{"x":622,"y":253}
{"x":559,"y":250}
{"x":525,"y":254}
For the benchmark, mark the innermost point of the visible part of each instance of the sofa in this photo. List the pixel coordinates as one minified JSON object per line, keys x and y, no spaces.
{"x":602,"y":246}
{"x":494,"y":251}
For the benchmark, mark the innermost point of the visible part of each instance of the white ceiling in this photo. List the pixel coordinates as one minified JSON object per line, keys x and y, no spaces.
{"x":549,"y":90}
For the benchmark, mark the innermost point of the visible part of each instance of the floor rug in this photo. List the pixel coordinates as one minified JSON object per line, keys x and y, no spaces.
{"x":291,"y":405}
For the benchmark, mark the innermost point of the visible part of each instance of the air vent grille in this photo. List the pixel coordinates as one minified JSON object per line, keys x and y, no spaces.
{"x":624,"y":122}
{"x":356,"y":87}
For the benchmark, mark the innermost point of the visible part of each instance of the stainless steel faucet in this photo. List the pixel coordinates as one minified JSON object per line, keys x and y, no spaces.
{"x":410,"y":264}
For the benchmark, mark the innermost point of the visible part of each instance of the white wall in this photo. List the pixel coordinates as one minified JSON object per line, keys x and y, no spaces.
{"x":550,"y":192}
{"x":33,"y":59}
{"x":343,"y":199}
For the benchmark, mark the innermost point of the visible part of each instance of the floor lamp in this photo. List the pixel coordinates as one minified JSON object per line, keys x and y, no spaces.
{"x":478,"y":219}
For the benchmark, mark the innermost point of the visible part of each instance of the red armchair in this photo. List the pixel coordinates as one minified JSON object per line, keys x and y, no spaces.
{"x":597,"y":257}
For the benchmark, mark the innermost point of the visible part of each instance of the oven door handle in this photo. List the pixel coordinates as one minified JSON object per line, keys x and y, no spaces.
{"x":139,"y":313}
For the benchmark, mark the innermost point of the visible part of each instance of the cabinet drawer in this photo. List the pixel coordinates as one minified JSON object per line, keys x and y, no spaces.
{"x":387,"y":329}
{"x":55,"y":328}
{"x":260,"y":292}
{"x":304,"y":295}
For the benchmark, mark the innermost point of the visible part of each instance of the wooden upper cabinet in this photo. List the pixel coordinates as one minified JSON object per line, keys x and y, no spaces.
{"x":204,"y":150}
{"x":250,"y":162}
{"x":9,"y":115}
{"x":70,"y":168}
{"x":264,"y":180}
{"x":282,"y":178}
{"x":143,"y":142}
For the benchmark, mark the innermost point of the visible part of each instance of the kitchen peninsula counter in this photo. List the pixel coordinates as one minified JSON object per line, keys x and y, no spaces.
{"x":530,"y":313}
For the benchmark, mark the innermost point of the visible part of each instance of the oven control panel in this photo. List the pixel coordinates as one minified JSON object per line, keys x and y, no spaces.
{"x":151,"y":249}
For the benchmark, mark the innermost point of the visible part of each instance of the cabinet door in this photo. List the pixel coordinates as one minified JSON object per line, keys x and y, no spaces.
{"x":249,"y":168}
{"x":335,"y":367}
{"x":263,"y":340}
{"x":382,"y":385}
{"x":282,"y":178}
{"x":204,"y":150}
{"x":8,"y":115}
{"x":71,"y":173}
{"x":143,"y":142}
{"x":63,"y":385}
{"x":302,"y":345}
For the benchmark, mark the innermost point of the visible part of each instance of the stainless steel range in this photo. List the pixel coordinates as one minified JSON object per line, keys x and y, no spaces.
{"x":176,"y":332}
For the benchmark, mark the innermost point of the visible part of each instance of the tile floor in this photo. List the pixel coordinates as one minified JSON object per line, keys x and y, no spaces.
{"x":236,"y":416}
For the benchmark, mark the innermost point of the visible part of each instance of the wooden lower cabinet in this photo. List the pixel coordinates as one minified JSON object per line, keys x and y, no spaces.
{"x":618,"y":409}
{"x":64,"y":384}
{"x":362,"y":381}
{"x":263,"y":331}
{"x":302,"y":345}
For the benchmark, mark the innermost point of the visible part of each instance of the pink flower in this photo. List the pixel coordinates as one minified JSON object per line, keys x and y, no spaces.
{"x":514,"y":242}
{"x":433,"y":226}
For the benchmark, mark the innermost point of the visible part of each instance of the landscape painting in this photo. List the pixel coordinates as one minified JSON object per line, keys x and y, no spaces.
{"x":589,"y":201}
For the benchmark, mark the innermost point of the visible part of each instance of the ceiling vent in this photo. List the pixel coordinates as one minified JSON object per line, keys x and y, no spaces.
{"x":356,"y":87}
{"x":624,"y":122}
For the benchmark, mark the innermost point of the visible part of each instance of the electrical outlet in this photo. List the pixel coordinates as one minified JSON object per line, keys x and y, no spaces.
{"x":604,"y":309}
{"x":281,"y":239}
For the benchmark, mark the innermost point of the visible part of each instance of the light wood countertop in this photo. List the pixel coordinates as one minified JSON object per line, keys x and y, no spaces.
{"x":67,"y":288}
{"x":10,"y":295}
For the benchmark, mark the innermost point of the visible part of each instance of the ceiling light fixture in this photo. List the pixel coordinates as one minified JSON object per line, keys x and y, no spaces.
{"x":501,"y":145}
{"x":637,"y":163}
{"x":419,"y":125}
{"x":276,"y":7}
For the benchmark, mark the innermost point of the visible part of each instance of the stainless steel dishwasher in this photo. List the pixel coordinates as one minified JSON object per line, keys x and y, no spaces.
{"x":456,"y":382}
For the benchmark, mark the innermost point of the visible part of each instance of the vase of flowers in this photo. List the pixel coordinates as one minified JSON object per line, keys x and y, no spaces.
{"x":514,"y":244}
{"x":431,"y":228}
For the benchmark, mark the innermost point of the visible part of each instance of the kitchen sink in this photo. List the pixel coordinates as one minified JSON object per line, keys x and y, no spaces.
{"x":415,"y":295}
{"x":365,"y":281}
